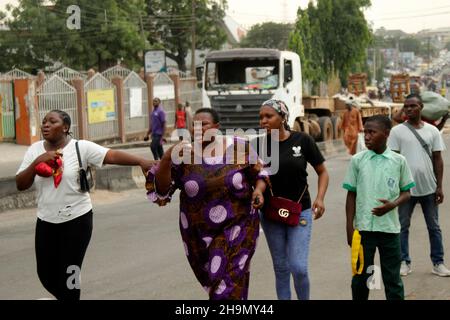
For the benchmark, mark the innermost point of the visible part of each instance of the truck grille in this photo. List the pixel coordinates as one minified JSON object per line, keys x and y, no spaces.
{"x":239,"y":111}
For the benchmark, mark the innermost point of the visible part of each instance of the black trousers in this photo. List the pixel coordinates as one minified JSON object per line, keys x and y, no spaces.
{"x":60,"y":250}
{"x":388,"y":245}
{"x":156,"y":147}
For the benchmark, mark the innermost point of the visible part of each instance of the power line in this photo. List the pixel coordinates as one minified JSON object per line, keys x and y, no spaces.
{"x":417,"y":16}
{"x":419,"y":10}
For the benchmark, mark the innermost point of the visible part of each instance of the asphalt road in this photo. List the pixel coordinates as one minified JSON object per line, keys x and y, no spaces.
{"x":136,"y":251}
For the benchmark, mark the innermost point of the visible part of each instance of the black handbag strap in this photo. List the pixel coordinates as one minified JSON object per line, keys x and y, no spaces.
{"x":303,"y":193}
{"x":417,"y":135}
{"x":78,"y":155}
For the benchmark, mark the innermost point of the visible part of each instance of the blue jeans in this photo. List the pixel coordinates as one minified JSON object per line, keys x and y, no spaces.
{"x":431,"y":214}
{"x":289,"y":248}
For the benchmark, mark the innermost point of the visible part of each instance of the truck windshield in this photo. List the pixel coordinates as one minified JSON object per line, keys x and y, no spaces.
{"x":242,"y":75}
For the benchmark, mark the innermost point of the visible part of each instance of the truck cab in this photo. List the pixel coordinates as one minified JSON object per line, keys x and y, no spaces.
{"x":236,"y":82}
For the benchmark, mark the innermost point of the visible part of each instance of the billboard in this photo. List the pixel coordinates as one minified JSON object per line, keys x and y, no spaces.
{"x":155,"y":61}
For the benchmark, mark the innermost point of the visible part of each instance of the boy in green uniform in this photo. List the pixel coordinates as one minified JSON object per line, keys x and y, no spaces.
{"x":378,"y":180}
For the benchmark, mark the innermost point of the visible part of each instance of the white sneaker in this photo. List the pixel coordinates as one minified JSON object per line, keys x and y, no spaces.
{"x":441,"y":270}
{"x":405,"y":268}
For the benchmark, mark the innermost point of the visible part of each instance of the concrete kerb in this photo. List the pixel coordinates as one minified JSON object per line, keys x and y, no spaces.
{"x":114,"y":178}
{"x":12,"y":199}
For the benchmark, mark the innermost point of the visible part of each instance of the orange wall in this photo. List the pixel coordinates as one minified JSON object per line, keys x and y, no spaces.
{"x":27,"y":124}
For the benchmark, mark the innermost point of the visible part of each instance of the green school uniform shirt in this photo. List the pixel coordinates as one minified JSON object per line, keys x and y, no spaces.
{"x":375,"y":176}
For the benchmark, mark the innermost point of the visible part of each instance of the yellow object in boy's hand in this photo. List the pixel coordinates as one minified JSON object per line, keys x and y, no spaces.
{"x":357,"y":253}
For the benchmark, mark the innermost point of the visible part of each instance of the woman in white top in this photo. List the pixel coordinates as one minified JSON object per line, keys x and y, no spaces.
{"x":64,"y":224}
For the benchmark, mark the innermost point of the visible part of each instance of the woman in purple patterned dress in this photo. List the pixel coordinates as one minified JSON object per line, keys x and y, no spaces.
{"x":219,"y":220}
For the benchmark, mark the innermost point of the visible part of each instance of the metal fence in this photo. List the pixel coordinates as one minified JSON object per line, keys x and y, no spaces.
{"x":116,"y":71}
{"x":55,"y":93}
{"x":7,"y":118}
{"x":190,"y":92}
{"x":104,"y":129}
{"x":164,"y":89}
{"x":136,"y":104}
{"x":17,"y":74}
{"x":69,"y":74}
{"x":134,"y":96}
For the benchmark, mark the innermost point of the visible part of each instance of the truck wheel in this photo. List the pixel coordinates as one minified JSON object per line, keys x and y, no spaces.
{"x":326,"y":128}
{"x":314,"y":129}
{"x":297,"y":126}
{"x":338,"y":133}
{"x":305,"y":126}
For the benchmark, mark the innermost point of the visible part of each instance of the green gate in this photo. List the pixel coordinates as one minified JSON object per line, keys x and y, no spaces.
{"x":8,"y":121}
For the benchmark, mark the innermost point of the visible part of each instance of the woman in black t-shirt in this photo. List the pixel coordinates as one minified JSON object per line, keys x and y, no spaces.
{"x":289,"y":246}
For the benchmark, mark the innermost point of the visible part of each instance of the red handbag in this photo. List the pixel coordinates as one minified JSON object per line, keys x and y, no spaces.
{"x":283,"y":210}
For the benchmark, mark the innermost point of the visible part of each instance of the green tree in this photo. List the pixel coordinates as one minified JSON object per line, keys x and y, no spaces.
{"x":308,"y":45}
{"x":347,"y":36}
{"x":268,"y":35}
{"x":335,"y":40}
{"x":109,"y":32}
{"x":171,"y":24}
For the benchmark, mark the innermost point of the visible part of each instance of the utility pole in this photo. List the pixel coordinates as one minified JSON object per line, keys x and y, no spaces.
{"x":142,"y":27}
{"x":374,"y":65}
{"x":193,"y":40}
{"x":285,"y":10}
{"x":397,"y":54}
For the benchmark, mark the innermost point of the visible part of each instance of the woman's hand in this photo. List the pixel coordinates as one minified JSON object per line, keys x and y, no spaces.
{"x":146,"y":165}
{"x":257,"y":199}
{"x":48,"y":156}
{"x":318,"y":209}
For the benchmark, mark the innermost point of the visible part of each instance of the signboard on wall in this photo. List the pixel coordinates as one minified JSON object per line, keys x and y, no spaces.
{"x":135,"y":102}
{"x":155,"y":61}
{"x":101,"y":105}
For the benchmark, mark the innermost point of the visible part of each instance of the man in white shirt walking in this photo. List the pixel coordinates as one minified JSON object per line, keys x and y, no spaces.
{"x":421,"y":144}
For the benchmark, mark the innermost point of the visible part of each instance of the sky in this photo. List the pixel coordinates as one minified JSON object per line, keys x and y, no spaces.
{"x":408,"y":15}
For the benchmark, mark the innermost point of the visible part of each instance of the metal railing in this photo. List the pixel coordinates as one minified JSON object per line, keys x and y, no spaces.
{"x":17,"y":74}
{"x":116,"y":71}
{"x":56,"y":93}
{"x":8,"y":120}
{"x":69,"y":74}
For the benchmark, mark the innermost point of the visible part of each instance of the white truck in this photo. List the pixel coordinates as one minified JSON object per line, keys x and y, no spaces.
{"x":236,"y":82}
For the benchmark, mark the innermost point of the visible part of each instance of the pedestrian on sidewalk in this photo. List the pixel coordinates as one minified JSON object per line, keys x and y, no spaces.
{"x":64,"y":213}
{"x":189,"y":116}
{"x":180,"y":121}
{"x":352,"y":125}
{"x":289,"y":245}
{"x":157,"y":128}
{"x":378,"y":180}
{"x":421,"y":144}
{"x":219,"y":223}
